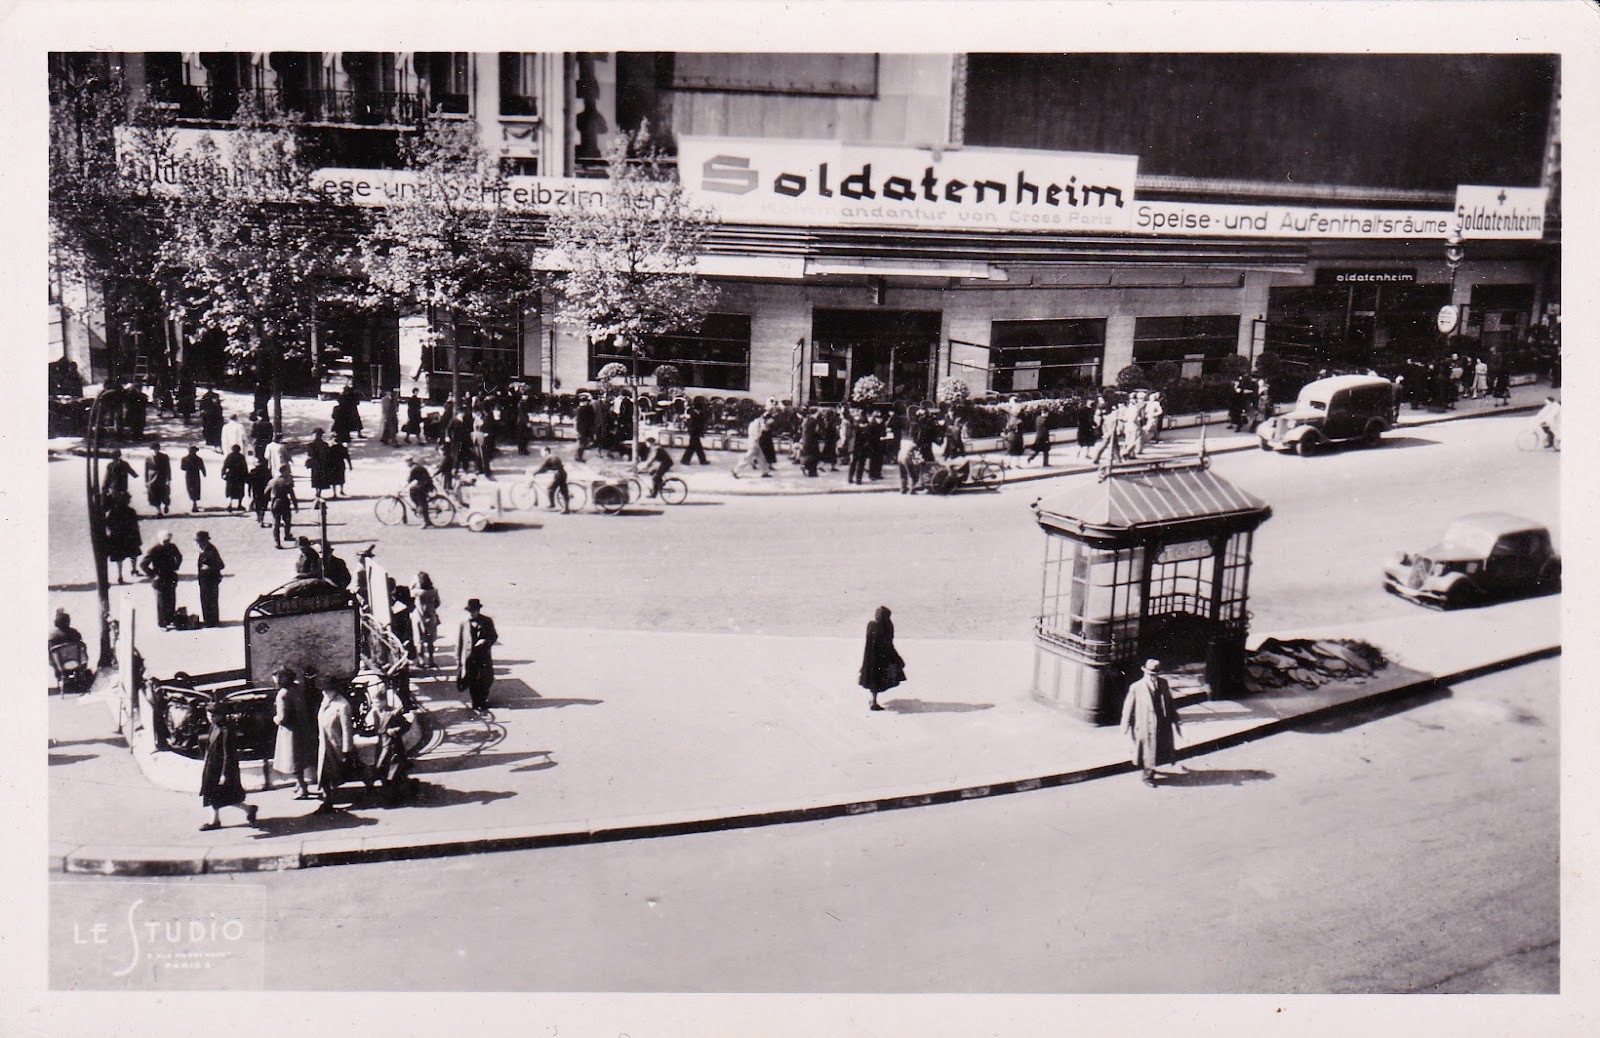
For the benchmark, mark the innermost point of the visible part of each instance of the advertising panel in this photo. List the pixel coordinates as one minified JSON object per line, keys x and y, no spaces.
{"x":829,"y":184}
{"x":1501,"y":212}
{"x":1186,"y":219}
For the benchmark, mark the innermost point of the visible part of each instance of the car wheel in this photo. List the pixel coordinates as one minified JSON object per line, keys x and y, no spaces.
{"x":1374,"y":435}
{"x":1460,"y":595}
{"x":1550,"y":576}
{"x":1306,"y":446}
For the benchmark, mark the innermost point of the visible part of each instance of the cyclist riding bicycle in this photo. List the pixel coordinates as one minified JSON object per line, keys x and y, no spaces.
{"x":657,"y":462}
{"x":1548,"y":422}
{"x":553,"y":464}
{"x":419,"y":484}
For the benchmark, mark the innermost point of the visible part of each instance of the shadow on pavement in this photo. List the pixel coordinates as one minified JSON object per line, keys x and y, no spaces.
{"x":438,"y":765}
{"x":920,"y":706}
{"x":1365,"y":713}
{"x":84,"y":586}
{"x":71,"y":758}
{"x":429,"y":795}
{"x":310,"y":822}
{"x":700,"y":504}
{"x":1213,"y":777}
{"x":1393,"y":442}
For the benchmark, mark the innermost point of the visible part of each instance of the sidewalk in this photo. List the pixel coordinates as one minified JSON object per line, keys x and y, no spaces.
{"x":378,"y":469}
{"x":727,"y":731}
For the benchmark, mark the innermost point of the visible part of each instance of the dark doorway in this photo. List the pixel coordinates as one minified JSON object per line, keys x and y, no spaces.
{"x":901,"y":347}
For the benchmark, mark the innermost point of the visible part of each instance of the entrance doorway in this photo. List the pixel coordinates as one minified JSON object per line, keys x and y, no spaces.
{"x":901,"y":347}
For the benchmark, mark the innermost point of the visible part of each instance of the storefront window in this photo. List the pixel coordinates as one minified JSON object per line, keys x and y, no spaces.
{"x":1199,"y":345}
{"x":715,"y":357}
{"x":1045,"y":355}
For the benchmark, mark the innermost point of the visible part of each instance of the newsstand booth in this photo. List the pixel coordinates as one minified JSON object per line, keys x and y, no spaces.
{"x":1150,"y":561}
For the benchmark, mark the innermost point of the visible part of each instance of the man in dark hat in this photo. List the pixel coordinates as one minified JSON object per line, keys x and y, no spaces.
{"x":208,"y":567}
{"x":474,"y":659}
{"x":1150,"y":718}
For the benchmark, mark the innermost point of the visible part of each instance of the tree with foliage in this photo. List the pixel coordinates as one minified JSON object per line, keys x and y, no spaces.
{"x":253,"y":241}
{"x":629,"y":262}
{"x":440,"y":241}
{"x":108,"y":219}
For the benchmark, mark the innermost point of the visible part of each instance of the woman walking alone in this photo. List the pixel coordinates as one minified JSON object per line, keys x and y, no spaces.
{"x":427,"y":605}
{"x":220,"y":785}
{"x":881,"y":665}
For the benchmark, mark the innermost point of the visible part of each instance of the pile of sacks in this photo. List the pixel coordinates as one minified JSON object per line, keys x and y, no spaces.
{"x":1309,"y":663}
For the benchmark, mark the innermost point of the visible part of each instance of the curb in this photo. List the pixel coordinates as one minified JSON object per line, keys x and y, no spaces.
{"x":312,"y":852}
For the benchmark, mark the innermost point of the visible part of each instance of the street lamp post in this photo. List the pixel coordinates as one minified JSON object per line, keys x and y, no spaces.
{"x":1454,"y":253}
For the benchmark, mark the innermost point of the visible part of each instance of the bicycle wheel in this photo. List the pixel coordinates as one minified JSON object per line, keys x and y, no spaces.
{"x":577,"y":497}
{"x":610,"y":498}
{"x":391,"y":511}
{"x":441,"y":510}
{"x":674,"y":491}
{"x":986,"y":475}
{"x":1530,"y":439}
{"x":635,"y":489}
{"x":525,"y":496}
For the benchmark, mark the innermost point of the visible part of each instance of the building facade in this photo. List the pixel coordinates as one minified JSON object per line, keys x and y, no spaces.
{"x":1021,"y":222}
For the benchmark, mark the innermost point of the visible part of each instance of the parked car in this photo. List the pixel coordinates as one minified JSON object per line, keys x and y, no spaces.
{"x":1483,"y":556}
{"x":1341,"y":409}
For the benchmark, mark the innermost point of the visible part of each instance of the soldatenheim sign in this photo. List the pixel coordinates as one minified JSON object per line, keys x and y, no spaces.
{"x":827,"y":183}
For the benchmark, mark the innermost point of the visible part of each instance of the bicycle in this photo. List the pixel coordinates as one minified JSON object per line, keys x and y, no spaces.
{"x":1532,"y":439}
{"x":392,"y":509}
{"x":674,"y":491}
{"x":528,"y":495}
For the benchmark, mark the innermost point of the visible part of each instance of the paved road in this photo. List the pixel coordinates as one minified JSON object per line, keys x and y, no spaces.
{"x":964,"y":567}
{"x":1413,"y":852}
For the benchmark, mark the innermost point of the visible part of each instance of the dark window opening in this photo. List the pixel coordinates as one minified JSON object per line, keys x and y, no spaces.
{"x":717,"y":356}
{"x":1199,"y":345}
{"x":1046,"y":355}
{"x":519,"y":84}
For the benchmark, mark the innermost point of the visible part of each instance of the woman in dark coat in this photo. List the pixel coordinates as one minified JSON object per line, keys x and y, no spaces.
{"x":881,"y":666}
{"x":338,"y":464}
{"x":235,"y":478}
{"x":1041,"y":439}
{"x":260,"y":476}
{"x":211,"y":418}
{"x":194,"y":470}
{"x":1088,"y":429}
{"x":122,"y":533}
{"x":220,"y":785}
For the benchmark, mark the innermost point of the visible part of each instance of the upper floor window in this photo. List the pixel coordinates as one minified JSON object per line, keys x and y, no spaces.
{"x":519,"y":84}
{"x":448,"y":75}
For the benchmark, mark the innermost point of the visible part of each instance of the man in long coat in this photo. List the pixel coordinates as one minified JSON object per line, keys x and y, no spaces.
{"x":161,"y":564}
{"x":474,"y":659}
{"x":158,"y":479}
{"x":1150,"y":719}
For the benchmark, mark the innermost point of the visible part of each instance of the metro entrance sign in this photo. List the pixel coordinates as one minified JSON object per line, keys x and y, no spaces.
{"x":1449,"y":315}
